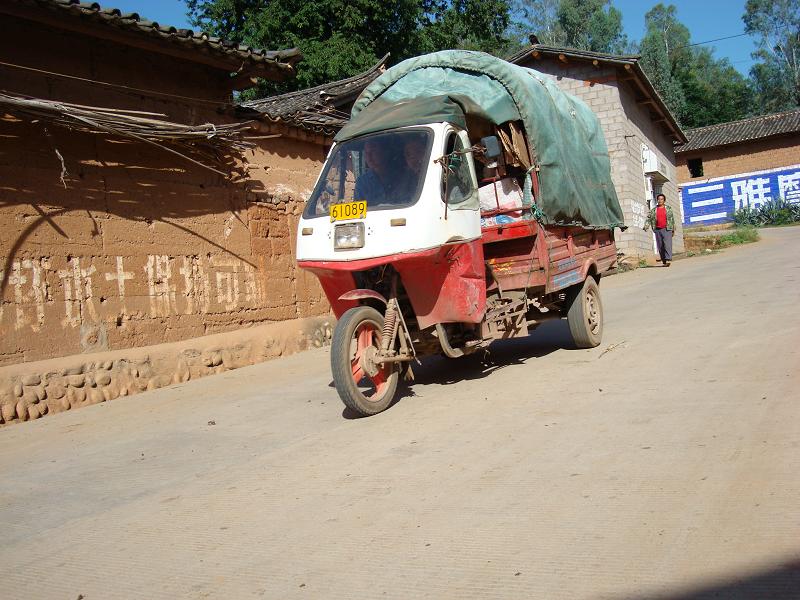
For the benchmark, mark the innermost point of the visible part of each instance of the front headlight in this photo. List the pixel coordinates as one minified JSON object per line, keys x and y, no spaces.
{"x":348,"y":236}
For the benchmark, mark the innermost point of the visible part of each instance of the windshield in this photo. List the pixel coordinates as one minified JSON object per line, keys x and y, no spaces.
{"x":385,"y":169}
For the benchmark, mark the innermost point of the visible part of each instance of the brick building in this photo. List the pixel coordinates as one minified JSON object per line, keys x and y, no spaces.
{"x":639,"y":130}
{"x":111,"y":241}
{"x":727,"y":166}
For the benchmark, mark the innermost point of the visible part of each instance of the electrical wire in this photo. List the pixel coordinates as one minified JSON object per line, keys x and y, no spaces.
{"x":729,"y":37}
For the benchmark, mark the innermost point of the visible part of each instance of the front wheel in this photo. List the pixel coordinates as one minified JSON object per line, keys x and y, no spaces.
{"x":585,"y":314}
{"x":363,"y":385}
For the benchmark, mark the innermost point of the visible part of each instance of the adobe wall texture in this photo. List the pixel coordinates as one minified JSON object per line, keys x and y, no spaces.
{"x":124,"y":244}
{"x":757,"y":155}
{"x":135,"y":248}
{"x":626,"y":127}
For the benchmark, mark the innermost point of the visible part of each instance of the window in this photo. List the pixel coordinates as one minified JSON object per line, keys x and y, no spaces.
{"x":658,"y":188}
{"x":385,"y":169}
{"x":695,"y":167}
{"x":458,"y":180}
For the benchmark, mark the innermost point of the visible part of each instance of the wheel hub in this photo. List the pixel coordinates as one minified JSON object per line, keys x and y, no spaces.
{"x":591,"y":313}
{"x":367,"y":361}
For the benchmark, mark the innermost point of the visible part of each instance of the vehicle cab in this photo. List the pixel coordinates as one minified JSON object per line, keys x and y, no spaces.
{"x":384,"y":193}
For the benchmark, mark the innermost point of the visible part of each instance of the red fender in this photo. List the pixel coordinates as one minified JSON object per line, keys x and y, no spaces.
{"x":362,"y":294}
{"x":587,"y":266}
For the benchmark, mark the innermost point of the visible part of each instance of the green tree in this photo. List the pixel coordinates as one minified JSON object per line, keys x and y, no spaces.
{"x":713,"y":90}
{"x":466,"y":24}
{"x":661,"y":49}
{"x":339,"y":38}
{"x":770,"y":87}
{"x":594,"y":25}
{"x":698,"y":88}
{"x":776,"y":77}
{"x":539,"y":17}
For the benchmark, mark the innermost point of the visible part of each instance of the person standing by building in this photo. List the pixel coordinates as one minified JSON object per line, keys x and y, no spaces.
{"x":662,"y":221}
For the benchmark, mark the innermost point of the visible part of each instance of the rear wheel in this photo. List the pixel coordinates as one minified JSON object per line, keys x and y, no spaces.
{"x":585,"y":314}
{"x":363,"y":385}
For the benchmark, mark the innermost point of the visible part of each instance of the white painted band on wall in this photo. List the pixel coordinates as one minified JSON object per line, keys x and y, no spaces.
{"x":719,"y":215}
{"x":705,"y":188}
{"x":707,"y":202}
{"x":83,"y":291}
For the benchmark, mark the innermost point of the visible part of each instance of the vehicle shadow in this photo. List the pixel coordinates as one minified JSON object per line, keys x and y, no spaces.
{"x":439,"y":370}
{"x":547,"y":338}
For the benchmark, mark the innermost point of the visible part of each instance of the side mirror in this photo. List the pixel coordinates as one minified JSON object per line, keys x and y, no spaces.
{"x":492,"y":146}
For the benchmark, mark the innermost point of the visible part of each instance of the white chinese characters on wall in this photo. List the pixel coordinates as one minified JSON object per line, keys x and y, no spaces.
{"x":719,"y":199}
{"x":751,"y":192}
{"x":639,"y":214}
{"x":789,"y":186}
{"x":174,"y":285}
{"x":30,"y":292}
{"x":755,"y":191}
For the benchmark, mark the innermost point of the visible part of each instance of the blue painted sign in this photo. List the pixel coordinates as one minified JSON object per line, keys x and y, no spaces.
{"x":715,"y":200}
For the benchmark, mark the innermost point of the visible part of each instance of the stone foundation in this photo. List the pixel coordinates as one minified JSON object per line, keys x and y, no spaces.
{"x":31,"y":390}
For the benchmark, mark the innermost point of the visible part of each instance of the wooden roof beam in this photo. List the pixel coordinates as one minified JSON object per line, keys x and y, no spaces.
{"x":646,"y":94}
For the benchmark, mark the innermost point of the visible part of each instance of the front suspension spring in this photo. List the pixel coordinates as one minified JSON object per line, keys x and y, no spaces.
{"x":389,"y":326}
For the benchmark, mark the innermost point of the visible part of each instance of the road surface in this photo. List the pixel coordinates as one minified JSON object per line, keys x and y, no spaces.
{"x":663,"y":464}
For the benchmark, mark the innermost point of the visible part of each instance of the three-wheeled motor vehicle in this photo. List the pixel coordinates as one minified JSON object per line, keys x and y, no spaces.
{"x":467,"y":200}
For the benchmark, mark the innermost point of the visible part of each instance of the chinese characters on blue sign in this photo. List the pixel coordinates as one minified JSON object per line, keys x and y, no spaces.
{"x":715,"y":200}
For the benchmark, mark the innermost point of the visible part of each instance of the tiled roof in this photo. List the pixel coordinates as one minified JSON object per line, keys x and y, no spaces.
{"x":571,"y":52}
{"x":321,"y":109}
{"x":239,"y":57}
{"x":630,"y":62}
{"x":743,"y":130}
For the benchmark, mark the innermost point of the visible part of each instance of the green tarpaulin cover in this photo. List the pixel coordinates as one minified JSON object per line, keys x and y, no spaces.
{"x":565,"y":135}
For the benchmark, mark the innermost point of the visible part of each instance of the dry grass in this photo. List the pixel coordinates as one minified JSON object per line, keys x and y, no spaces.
{"x":731,"y":237}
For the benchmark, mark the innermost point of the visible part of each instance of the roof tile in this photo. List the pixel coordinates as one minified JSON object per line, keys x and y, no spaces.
{"x":744,"y":130}
{"x":132,"y":21}
{"x":317,"y":109}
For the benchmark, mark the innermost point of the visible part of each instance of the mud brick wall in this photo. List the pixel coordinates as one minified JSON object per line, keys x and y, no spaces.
{"x":746,"y":157}
{"x":134,"y":248}
{"x":626,"y":126}
{"x":107,"y":244}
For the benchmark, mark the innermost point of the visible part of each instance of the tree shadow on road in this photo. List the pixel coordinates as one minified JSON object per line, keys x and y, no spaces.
{"x":779,"y":583}
{"x":439,"y":370}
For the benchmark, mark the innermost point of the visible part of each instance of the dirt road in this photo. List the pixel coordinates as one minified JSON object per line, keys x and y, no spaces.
{"x":665,"y":467}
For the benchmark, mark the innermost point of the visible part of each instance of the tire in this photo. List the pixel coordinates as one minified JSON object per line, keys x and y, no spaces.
{"x":585,"y":314}
{"x":359,"y":328}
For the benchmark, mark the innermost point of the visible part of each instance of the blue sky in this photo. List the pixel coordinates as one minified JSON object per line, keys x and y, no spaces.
{"x":706,"y":20}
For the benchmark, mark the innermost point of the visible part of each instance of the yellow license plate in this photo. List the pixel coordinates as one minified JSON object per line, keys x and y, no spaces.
{"x":349,"y":210}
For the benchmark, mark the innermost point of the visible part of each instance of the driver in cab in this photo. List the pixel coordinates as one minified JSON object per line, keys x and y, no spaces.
{"x":377,"y":183}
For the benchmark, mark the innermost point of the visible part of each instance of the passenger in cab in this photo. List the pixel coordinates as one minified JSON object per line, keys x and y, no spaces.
{"x":413,"y":169}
